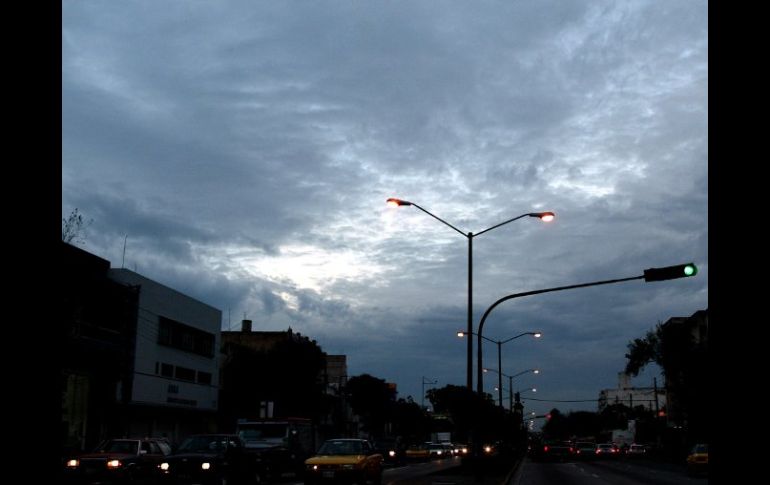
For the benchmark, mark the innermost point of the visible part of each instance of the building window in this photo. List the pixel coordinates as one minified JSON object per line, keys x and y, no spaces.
{"x":184,"y":337}
{"x":185,"y":374}
{"x":204,"y":378}
{"x":167,"y":370}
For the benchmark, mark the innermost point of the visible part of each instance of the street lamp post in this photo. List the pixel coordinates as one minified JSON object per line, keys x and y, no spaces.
{"x":650,"y":274}
{"x":499,"y":356}
{"x":510,"y":383}
{"x":544,"y":216}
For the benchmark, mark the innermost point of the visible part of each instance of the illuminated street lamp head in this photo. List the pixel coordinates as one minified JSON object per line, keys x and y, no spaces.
{"x":393,"y":202}
{"x":537,"y":334}
{"x":461,"y":334}
{"x":543,"y":216}
{"x":536,"y":371}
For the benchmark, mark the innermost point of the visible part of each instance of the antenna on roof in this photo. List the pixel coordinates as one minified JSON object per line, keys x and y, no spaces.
{"x":123,"y":264}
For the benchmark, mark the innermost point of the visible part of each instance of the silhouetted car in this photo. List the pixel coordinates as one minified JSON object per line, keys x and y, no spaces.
{"x":118,"y":461}
{"x":344,"y":460}
{"x":438,"y":450}
{"x":585,"y":450}
{"x":552,"y":450}
{"x":636,"y":450}
{"x":698,"y":459}
{"x":607,"y":450}
{"x":461,"y":449}
{"x":392,"y":450}
{"x":210,"y":459}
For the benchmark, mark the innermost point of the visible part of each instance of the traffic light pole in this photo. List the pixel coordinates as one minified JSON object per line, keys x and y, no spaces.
{"x":651,"y":274}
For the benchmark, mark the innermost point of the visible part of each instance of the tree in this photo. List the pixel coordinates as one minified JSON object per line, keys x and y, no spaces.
{"x":684,"y":362}
{"x":372,"y":399}
{"x":556,"y":426}
{"x":469,"y":412}
{"x":73,"y":228}
{"x":410,"y":421}
{"x":642,"y":351}
{"x":286,"y":374}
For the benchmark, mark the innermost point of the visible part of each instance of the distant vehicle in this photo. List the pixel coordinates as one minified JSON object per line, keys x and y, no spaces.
{"x":450,"y":449}
{"x":211,"y":459}
{"x":280,"y":445}
{"x":118,"y":460}
{"x":585,"y":450}
{"x":417,"y":452}
{"x":392,"y":450}
{"x":636,"y":450}
{"x":344,"y":460}
{"x":553,"y":451}
{"x":438,"y":450}
{"x":460,"y":449}
{"x":606,"y":450}
{"x":698,"y":459}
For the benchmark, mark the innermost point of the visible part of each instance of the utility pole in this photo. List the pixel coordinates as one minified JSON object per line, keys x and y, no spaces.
{"x":429,"y":381}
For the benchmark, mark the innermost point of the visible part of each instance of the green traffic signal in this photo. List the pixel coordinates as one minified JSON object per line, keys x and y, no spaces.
{"x":670,"y":272}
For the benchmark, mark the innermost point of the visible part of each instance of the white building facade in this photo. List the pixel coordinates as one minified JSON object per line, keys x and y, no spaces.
{"x":632,"y":396}
{"x":175,"y":381}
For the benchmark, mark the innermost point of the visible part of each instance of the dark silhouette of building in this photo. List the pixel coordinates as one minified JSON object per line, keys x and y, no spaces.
{"x":97,"y":329}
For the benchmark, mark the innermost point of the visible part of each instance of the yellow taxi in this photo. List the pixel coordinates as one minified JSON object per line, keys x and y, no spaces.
{"x":346,"y":461}
{"x":418,"y":452}
{"x":698,"y":459}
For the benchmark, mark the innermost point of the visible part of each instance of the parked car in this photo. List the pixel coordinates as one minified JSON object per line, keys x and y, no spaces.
{"x":698,"y":459}
{"x":118,"y":460}
{"x":211,"y":459}
{"x":344,"y":460}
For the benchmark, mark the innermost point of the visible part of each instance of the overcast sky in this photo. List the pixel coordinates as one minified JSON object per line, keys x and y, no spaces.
{"x":244,"y":151}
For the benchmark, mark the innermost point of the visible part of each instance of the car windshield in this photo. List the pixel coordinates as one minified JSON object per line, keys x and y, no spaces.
{"x":119,"y":446}
{"x":701,"y":449}
{"x":202,"y":444}
{"x":262,"y":431}
{"x":341,"y":447}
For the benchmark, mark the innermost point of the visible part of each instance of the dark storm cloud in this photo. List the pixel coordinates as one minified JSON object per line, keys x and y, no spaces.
{"x":246,"y":149}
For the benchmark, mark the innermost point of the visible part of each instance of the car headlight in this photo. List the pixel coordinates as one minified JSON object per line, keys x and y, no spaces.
{"x":73,"y":463}
{"x":114,"y":464}
{"x":313,"y":468}
{"x":205,"y":466}
{"x":391,"y":453}
{"x":164,"y":466}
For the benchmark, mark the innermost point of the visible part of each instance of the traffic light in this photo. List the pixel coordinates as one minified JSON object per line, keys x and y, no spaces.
{"x":670,"y":272}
